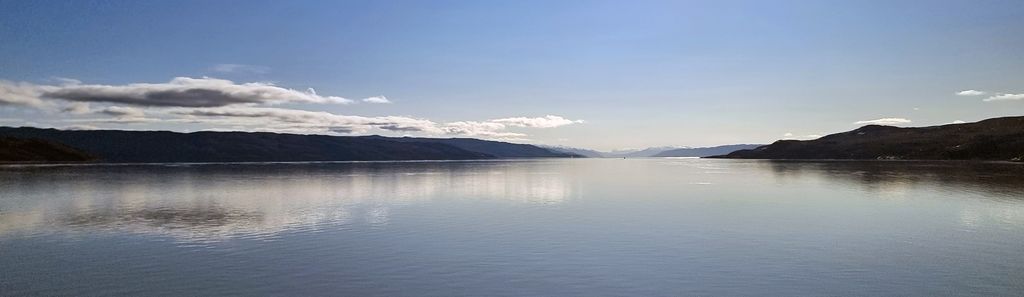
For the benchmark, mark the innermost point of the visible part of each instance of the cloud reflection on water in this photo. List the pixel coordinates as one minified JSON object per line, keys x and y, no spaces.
{"x":199,"y":203}
{"x":213,"y":202}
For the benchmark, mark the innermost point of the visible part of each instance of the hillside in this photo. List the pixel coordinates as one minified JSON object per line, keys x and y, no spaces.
{"x":706,"y":151}
{"x":35,"y":150}
{"x":576,"y":151}
{"x":992,"y":139}
{"x":163,"y":146}
{"x":493,"y":148}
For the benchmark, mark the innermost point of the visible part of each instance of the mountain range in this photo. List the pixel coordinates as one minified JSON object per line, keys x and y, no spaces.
{"x":163,"y":146}
{"x":639,"y":153}
{"x":705,"y":151}
{"x":991,"y":139}
{"x":589,"y":153}
{"x":667,"y":151}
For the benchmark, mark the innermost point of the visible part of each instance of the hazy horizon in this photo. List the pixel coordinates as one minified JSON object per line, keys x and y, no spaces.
{"x":599,"y":75}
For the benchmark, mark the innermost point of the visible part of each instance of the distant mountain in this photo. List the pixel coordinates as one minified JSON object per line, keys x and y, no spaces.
{"x":36,"y":150}
{"x":647,"y":152}
{"x":706,"y":151}
{"x":992,"y":139}
{"x":493,"y":148}
{"x":578,"y":151}
{"x":666,"y":151}
{"x":163,"y":146}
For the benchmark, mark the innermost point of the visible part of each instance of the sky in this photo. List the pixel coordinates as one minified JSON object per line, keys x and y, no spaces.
{"x":592,"y":74}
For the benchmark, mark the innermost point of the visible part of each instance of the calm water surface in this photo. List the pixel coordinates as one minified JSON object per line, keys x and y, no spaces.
{"x":599,"y":227}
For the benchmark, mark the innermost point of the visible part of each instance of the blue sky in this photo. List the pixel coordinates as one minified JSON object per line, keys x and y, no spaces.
{"x":595,"y":74}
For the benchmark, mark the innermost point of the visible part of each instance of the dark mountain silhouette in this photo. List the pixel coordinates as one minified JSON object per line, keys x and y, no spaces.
{"x":36,"y":150}
{"x":494,"y":148}
{"x":992,"y":139}
{"x":164,"y":146}
{"x":706,"y":151}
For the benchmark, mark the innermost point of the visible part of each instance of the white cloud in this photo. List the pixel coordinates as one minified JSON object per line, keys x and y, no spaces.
{"x":81,"y":127}
{"x":377,"y":100}
{"x":549,"y":121}
{"x":66,"y":81}
{"x":240,"y":68}
{"x":307,"y":121}
{"x":77,"y":108}
{"x":970,"y":93}
{"x":884,"y":121}
{"x":958,"y":122}
{"x":179,"y":92}
{"x":482,"y":129}
{"x":223,"y":104}
{"x":1005,"y":97}
{"x":790,"y":135}
{"x":121,"y":111}
{"x":119,"y":120}
{"x":20,"y":93}
{"x":313,"y":122}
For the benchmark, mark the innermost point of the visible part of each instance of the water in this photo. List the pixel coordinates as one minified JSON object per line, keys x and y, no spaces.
{"x":596,"y":227}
